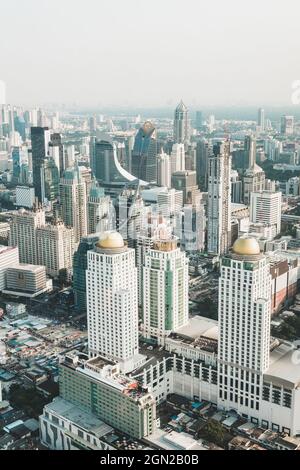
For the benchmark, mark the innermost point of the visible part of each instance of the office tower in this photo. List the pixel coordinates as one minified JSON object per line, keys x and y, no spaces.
{"x":26,"y":280}
{"x":25,"y":197}
{"x":72,"y":202}
{"x":199,"y":120}
{"x":272,"y":148}
{"x":92,"y":124}
{"x":98,"y":210}
{"x":144,"y":153}
{"x":244,"y":327}
{"x":203,"y":151}
{"x":219,"y":199}
{"x":177,"y":158}
{"x":69,"y":156}
{"x":169,"y":201}
{"x":210,"y":123}
{"x":190,"y":225}
{"x":112,"y":300}
{"x":185,"y":181}
{"x":57,"y":149}
{"x":86,"y":177}
{"x":107,"y":169}
{"x":165,"y":290}
{"x":163,"y":170}
{"x":23,"y":233}
{"x":236,"y":187}
{"x":181,"y":125}
{"x":55,"y":247}
{"x":250,"y":150}
{"x":92,"y":153}
{"x":129,"y":212}
{"x":79,"y":270}
{"x":20,"y":126}
{"x":9,"y":256}
{"x":265,"y":208}
{"x":19,"y":157}
{"x":261,"y":119}
{"x":287,"y":125}
{"x":50,"y":180}
{"x":253,"y":181}
{"x":40,"y":137}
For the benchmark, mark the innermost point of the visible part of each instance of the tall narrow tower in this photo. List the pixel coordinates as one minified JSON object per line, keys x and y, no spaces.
{"x":165,"y":289}
{"x":219,"y":199}
{"x":181,"y":125}
{"x":244,"y":327}
{"x":112,"y":306}
{"x":72,"y":198}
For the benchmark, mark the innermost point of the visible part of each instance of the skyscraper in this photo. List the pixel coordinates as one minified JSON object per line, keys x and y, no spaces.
{"x":177,"y":158}
{"x":98,"y":207}
{"x":55,"y":247}
{"x":261,"y":119}
{"x":199,"y":120}
{"x":185,"y":181}
{"x":287,"y":125}
{"x":203,"y":151}
{"x":144,"y":153}
{"x":79,"y":270}
{"x":181,"y":125}
{"x":40,"y":137}
{"x":244,"y":327}
{"x":165,"y":290}
{"x":23,"y":233}
{"x":72,"y":202}
{"x":163,"y":170}
{"x":219,"y":199}
{"x":265,"y":208}
{"x":112,"y":300}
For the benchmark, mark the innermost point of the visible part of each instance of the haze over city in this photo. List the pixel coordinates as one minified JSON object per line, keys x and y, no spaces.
{"x":137,"y":54}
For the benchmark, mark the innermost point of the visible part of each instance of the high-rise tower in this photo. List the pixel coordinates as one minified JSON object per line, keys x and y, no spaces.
{"x":182,"y":125}
{"x":244,"y":327}
{"x":219,"y":199}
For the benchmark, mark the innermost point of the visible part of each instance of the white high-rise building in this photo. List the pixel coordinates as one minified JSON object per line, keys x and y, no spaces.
{"x":182,"y":125}
{"x":177,"y":158}
{"x":112,"y":307}
{"x":244,"y":327}
{"x":153,"y":228}
{"x":72,"y":199}
{"x":98,"y":209}
{"x":165,"y":290}
{"x":23,"y":233}
{"x":163,"y":170}
{"x":265,"y":208}
{"x":219,"y":199}
{"x":261,"y":119}
{"x":169,"y":201}
{"x":55,"y":247}
{"x":9,"y":257}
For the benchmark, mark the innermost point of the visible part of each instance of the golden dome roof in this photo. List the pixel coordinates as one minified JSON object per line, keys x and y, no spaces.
{"x":111,"y":240}
{"x":246,"y":246}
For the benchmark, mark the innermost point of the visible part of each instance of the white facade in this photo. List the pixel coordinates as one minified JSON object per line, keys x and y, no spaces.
{"x":265,"y":208}
{"x":163,"y":170}
{"x":165,"y":290}
{"x":219,"y":200}
{"x":112,"y":307}
{"x":9,"y":257}
{"x":177,"y":158}
{"x":55,"y":246}
{"x":25,"y":196}
{"x":244,"y":330}
{"x":23,"y":233}
{"x":73,"y":202}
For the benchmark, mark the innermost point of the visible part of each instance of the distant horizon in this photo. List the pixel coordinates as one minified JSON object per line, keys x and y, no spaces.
{"x":117,"y":53}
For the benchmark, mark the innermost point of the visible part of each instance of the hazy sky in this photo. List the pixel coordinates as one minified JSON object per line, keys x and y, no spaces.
{"x":150,"y":53}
